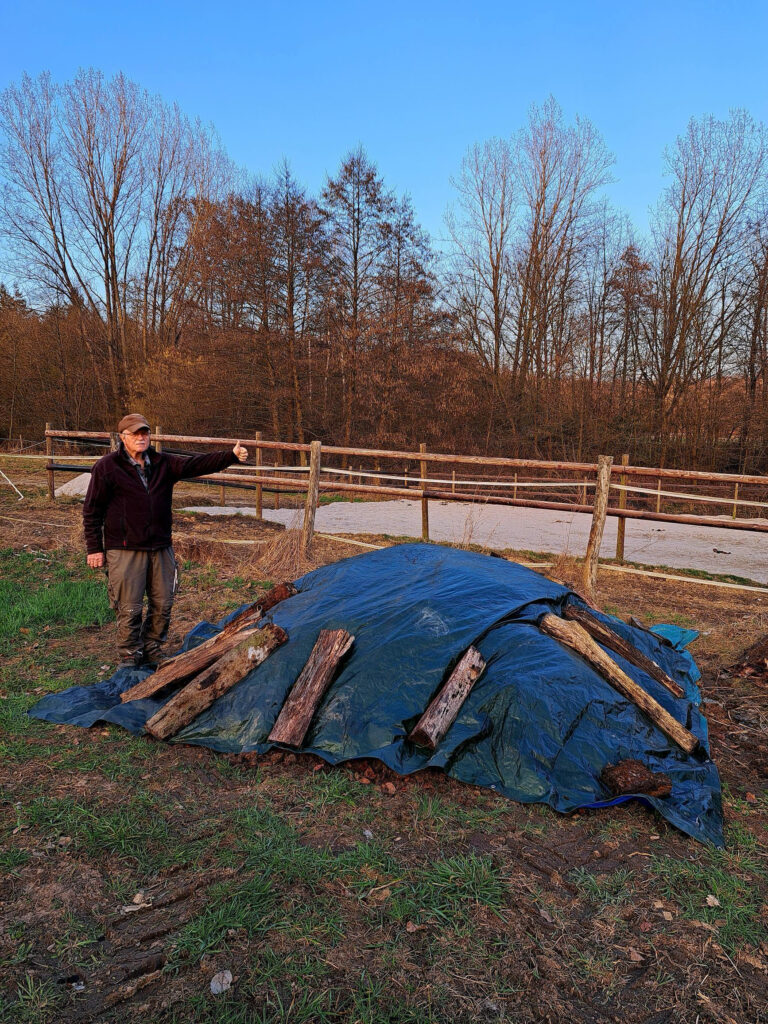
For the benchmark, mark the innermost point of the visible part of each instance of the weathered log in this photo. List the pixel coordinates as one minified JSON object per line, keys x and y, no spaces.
{"x":207,"y":687}
{"x":190,"y":663}
{"x":602,"y":486}
{"x":443,"y":709}
{"x":308,"y":690}
{"x":608,"y":638}
{"x":576,"y":637}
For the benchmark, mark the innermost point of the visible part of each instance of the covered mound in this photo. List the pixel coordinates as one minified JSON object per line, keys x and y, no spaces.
{"x":540,"y":725}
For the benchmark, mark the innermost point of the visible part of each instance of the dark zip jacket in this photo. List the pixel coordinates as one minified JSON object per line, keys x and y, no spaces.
{"x":120,"y":512}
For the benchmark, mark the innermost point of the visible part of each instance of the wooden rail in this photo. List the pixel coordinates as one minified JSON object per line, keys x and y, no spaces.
{"x":278,"y":479}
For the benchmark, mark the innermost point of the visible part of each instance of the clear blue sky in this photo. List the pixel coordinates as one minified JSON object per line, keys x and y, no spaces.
{"x":416,"y":83}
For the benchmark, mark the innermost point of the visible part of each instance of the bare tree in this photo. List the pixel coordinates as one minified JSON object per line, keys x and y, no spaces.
{"x":700,"y":233}
{"x":96,"y":174}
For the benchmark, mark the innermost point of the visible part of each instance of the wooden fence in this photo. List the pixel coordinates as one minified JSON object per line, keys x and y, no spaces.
{"x":312,"y":469}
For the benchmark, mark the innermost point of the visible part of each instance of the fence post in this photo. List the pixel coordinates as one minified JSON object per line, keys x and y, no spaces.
{"x":50,"y":472}
{"x":313,"y":491}
{"x":259,"y":491}
{"x":424,"y":501}
{"x":735,"y":498}
{"x":589,"y":576}
{"x":658,"y":497}
{"x":158,"y":444}
{"x":114,"y":441}
{"x":622,"y":525}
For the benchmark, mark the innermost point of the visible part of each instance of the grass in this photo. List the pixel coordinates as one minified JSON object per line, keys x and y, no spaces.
{"x":134,"y":832}
{"x":605,"y":890}
{"x":736,"y":878}
{"x":247,"y":908}
{"x":55,"y":605}
{"x":334,"y":902}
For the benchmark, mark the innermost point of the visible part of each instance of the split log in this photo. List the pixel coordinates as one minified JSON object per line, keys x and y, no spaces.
{"x":207,"y":687}
{"x":576,"y":637}
{"x":443,"y":709}
{"x":608,"y":638}
{"x":308,"y":690}
{"x":190,"y":663}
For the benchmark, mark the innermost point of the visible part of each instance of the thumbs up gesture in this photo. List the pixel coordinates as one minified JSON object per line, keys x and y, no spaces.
{"x":240,"y":452}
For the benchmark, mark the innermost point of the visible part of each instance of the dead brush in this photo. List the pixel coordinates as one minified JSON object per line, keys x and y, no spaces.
{"x":282,"y":558}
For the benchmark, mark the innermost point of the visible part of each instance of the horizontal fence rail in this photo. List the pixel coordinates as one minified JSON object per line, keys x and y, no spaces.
{"x":311,"y":469}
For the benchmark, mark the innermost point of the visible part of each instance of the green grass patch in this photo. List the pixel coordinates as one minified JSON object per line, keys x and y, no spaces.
{"x":44,"y":596}
{"x":448,"y":890}
{"x":605,"y":890}
{"x":248,"y":909}
{"x":135,"y":832}
{"x":736,"y":879}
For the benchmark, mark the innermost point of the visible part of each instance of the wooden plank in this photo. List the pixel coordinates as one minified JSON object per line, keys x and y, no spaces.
{"x":443,"y":709}
{"x":308,"y":690}
{"x":190,"y":663}
{"x":608,"y":638}
{"x":576,"y":637}
{"x":207,"y":687}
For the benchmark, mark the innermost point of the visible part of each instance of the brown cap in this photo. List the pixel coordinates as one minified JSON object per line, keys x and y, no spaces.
{"x":133,"y":422}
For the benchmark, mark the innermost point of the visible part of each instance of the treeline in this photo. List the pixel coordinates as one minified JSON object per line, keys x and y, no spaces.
{"x":149,"y":273}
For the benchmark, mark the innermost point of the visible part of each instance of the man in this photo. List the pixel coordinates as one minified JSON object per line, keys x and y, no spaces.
{"x":127,"y":520}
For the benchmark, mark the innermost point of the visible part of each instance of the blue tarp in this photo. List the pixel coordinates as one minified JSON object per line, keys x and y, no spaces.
{"x":540,"y":725}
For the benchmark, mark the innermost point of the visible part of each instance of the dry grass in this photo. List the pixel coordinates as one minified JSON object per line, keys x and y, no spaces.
{"x":283,"y":558}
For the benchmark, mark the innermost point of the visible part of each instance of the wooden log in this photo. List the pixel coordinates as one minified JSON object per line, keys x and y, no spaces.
{"x":190,"y":663}
{"x":608,"y":638}
{"x":576,"y":637}
{"x":589,"y":575}
{"x":308,"y":690}
{"x":207,"y":687}
{"x":443,"y":709}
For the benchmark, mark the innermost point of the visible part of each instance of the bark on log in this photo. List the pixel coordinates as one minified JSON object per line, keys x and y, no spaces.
{"x":207,"y":687}
{"x":606,"y":636}
{"x":589,"y":573}
{"x":576,"y":637}
{"x":190,"y":663}
{"x":308,"y":690}
{"x":443,"y":709}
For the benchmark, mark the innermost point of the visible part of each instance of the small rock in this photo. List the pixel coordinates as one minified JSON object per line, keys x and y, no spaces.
{"x":367,"y":833}
{"x":221,"y":982}
{"x":667,"y":916}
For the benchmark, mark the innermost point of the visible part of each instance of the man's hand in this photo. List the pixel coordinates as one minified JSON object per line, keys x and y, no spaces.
{"x":96,"y":560}
{"x":240,"y":452}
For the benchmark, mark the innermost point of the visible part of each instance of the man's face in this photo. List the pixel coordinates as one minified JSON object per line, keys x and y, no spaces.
{"x":136,"y":443}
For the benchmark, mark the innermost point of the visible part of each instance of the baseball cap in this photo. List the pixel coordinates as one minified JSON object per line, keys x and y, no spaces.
{"x":133,"y":421}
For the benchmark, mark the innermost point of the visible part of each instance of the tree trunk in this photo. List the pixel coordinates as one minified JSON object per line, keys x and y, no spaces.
{"x":576,"y":637}
{"x":443,"y":709}
{"x":189,"y":663}
{"x":606,"y":636}
{"x":204,"y":689}
{"x":308,"y":690}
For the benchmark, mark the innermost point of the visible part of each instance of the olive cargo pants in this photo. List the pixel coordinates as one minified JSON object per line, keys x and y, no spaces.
{"x":131,"y":575}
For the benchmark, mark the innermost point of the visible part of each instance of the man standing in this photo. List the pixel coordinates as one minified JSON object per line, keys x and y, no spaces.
{"x":127,"y":519}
